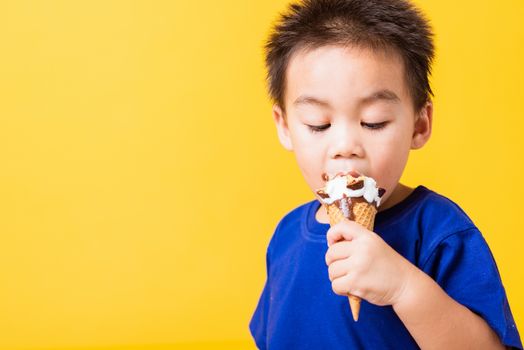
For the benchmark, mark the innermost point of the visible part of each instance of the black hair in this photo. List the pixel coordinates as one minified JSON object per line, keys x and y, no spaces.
{"x":372,"y":24}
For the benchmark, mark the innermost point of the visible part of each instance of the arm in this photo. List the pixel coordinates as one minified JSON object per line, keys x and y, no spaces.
{"x":436,"y":321}
{"x":362,"y":264}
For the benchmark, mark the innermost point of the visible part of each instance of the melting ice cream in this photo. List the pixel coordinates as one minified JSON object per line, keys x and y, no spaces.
{"x":344,"y":185}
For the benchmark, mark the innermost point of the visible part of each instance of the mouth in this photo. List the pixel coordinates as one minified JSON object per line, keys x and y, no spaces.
{"x":327,"y":177}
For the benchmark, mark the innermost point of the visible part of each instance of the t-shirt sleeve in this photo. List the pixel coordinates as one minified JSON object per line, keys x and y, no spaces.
{"x":463,"y":265}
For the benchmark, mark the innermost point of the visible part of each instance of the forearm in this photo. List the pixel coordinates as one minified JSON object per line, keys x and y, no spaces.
{"x":436,"y":321}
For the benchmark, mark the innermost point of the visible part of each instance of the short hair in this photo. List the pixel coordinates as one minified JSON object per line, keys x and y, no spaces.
{"x":370,"y":24}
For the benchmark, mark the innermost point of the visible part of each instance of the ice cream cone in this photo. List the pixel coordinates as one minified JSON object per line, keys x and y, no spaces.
{"x":363,"y":214}
{"x":353,"y":197}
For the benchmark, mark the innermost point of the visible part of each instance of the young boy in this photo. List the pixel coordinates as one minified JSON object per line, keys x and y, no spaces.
{"x":350,"y":83}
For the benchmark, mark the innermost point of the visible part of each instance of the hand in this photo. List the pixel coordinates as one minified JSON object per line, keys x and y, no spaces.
{"x":362,"y":264}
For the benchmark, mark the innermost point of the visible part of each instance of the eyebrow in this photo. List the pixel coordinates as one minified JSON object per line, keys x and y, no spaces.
{"x":381,"y":95}
{"x":305,"y":100}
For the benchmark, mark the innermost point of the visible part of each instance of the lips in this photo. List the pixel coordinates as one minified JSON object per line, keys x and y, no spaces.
{"x":326,"y":176}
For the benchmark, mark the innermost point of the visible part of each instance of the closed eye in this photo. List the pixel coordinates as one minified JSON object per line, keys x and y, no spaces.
{"x":318,"y":128}
{"x":374,"y":126}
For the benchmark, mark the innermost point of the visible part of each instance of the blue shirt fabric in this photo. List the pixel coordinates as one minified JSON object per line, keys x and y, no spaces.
{"x":299,"y":310}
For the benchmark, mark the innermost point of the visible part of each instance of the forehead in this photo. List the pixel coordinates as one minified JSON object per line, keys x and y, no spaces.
{"x":346,"y":75}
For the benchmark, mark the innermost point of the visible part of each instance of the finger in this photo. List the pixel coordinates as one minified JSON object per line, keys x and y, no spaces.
{"x":338,"y":251}
{"x":338,"y":269}
{"x":338,"y":232}
{"x":342,"y":285}
{"x":344,"y":230}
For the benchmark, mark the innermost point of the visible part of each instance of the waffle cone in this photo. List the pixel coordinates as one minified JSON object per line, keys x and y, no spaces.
{"x":363,"y":214}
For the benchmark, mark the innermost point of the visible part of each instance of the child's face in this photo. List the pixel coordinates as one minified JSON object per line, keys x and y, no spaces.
{"x":349,"y":109}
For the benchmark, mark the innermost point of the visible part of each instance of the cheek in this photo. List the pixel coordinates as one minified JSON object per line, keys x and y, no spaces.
{"x":309,"y":157}
{"x":390,"y":159}
{"x":395,"y":143}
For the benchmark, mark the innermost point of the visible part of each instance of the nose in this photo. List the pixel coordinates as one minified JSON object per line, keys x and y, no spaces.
{"x":347,"y":143}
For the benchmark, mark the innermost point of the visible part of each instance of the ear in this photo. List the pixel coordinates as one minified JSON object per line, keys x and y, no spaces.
{"x":423,"y":125}
{"x":282,"y":128}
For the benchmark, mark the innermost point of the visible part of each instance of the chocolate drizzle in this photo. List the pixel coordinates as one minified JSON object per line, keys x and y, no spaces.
{"x":345,"y":205}
{"x":356,"y":185}
{"x":322,"y":194}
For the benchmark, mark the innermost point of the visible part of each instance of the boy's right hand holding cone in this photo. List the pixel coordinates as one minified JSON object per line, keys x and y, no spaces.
{"x":360,"y":262}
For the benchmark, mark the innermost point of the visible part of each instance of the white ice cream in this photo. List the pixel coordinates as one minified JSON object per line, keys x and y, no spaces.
{"x":336,"y":188}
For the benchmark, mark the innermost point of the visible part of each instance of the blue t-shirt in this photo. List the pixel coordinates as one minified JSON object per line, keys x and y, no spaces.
{"x":299,"y":310}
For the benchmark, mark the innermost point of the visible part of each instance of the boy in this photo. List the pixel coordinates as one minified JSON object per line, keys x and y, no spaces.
{"x":350,"y":83}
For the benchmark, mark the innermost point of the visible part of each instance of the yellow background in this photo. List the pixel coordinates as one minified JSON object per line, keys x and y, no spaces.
{"x":141,"y":177}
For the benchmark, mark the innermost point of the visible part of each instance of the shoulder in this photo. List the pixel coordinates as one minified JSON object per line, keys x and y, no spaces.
{"x":438,"y":213}
{"x":444,"y":224}
{"x":426,"y":219}
{"x":427,"y":214}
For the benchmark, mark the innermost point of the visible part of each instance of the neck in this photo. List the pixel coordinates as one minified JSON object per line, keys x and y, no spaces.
{"x":399,"y":194}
